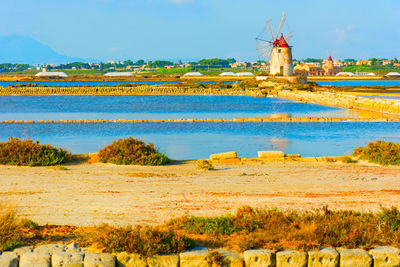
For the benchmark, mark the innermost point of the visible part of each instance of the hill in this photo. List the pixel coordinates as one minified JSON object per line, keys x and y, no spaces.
{"x":23,"y":49}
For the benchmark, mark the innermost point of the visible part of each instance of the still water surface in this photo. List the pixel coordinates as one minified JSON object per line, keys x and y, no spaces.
{"x":199,"y":140}
{"x":188,"y":140}
{"x":155,"y":107}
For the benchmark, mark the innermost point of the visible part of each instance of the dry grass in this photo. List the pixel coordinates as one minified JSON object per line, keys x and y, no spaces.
{"x":274,"y":229}
{"x":144,"y":240}
{"x":10,"y":228}
{"x":247,"y":229}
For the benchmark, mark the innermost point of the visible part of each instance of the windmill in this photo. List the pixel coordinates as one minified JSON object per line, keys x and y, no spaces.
{"x":329,"y":62}
{"x":275,"y":49}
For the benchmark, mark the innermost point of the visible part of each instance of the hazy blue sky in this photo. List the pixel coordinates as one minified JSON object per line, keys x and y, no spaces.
{"x":195,"y":29}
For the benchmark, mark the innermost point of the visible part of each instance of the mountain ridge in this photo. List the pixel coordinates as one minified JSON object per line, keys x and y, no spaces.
{"x":24,"y":49}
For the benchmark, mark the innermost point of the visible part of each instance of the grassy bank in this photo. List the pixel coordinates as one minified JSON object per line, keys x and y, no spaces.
{"x":248,"y":228}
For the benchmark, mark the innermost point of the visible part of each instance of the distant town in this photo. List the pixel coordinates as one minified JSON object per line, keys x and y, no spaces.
{"x":307,"y":67}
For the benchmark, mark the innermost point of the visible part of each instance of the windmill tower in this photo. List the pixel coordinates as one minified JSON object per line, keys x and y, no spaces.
{"x":276,"y":50}
{"x":329,"y":66}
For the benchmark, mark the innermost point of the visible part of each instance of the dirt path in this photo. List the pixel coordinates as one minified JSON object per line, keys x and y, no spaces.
{"x":91,"y":194}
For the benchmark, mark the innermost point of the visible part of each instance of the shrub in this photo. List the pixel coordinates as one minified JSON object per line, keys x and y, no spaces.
{"x":203,"y":164}
{"x":381,"y":152}
{"x":131,"y":151}
{"x":28,"y":153}
{"x":329,"y":159}
{"x":347,"y":159}
{"x":144,"y":240}
{"x":10,"y":228}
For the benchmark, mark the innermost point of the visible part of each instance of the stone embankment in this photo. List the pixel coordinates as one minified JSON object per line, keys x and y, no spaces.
{"x":388,"y":106}
{"x":59,"y":255}
{"x":110,"y":90}
{"x":236,"y":120}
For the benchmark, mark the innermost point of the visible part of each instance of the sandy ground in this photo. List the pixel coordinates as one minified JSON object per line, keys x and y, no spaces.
{"x":90,"y":194}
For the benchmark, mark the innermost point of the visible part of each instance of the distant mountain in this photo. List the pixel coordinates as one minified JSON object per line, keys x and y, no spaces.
{"x":22,"y":49}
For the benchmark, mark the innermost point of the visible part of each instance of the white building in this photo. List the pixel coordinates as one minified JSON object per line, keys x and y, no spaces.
{"x":118,"y":74}
{"x":345,"y":74}
{"x":393,"y":75}
{"x":193,"y":74}
{"x":52,"y":74}
{"x":228,"y":74}
{"x":244,"y":74}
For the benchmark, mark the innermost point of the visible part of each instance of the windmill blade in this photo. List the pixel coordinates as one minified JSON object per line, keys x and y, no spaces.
{"x":280,"y":25}
{"x":270,"y":29}
{"x":263,"y":49}
{"x":289,"y":37}
{"x":268,"y":56}
{"x":333,"y":53}
{"x":327,"y":53}
{"x":262,"y":40}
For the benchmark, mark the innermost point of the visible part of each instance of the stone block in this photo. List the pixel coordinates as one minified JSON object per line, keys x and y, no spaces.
{"x":291,"y":258}
{"x":197,"y":257}
{"x":385,"y":256}
{"x":271,"y":154}
{"x":171,"y":260}
{"x":231,"y":258}
{"x":99,"y":260}
{"x":35,"y":259}
{"x":73,"y":247}
{"x":67,"y":259}
{"x":355,"y":257}
{"x":230,"y":161}
{"x":259,"y":258}
{"x":125,"y":259}
{"x":326,"y":257}
{"x":50,"y":248}
{"x":9,"y":259}
{"x":225,"y":155}
{"x":23,"y":250}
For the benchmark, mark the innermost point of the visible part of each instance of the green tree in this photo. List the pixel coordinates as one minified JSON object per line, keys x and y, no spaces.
{"x":140,"y":62}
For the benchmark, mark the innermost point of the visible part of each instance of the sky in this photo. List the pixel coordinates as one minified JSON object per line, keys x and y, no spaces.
{"x":195,"y":29}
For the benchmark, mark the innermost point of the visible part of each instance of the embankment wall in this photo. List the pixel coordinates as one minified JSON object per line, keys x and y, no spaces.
{"x":57,"y":255}
{"x":138,"y":90}
{"x":236,"y":120}
{"x":388,"y":106}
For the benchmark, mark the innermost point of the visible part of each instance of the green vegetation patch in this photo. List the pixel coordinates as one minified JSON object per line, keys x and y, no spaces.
{"x":131,"y":151}
{"x":28,"y":153}
{"x":381,"y":152}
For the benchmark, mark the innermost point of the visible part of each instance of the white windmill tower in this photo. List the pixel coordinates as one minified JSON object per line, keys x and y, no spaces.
{"x":276,"y":50}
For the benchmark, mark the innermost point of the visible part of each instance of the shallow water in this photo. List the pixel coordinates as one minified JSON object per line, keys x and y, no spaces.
{"x":362,"y":82}
{"x":155,"y":107}
{"x":199,"y":140}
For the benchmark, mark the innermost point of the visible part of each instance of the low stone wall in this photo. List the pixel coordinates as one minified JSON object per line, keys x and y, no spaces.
{"x":236,"y":120}
{"x":138,"y":90}
{"x":58,"y":255}
{"x":388,"y":106}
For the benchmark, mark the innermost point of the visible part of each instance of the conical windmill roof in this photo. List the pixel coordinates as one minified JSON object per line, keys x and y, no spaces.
{"x":282,"y":42}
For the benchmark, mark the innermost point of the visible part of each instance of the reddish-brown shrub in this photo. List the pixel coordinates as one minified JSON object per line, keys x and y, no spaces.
{"x":131,"y":151}
{"x":28,"y":153}
{"x":381,"y":152}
